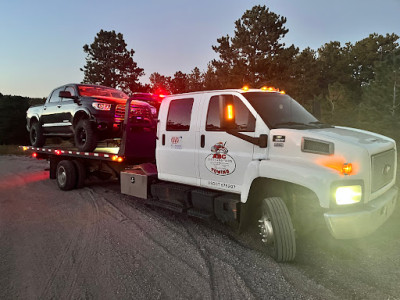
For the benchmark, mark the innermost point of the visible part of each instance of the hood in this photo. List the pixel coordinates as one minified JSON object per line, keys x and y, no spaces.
{"x":371,"y":141}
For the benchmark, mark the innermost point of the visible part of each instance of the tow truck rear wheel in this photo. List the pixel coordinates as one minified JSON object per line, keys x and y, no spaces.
{"x":80,"y":174}
{"x":276,"y":229}
{"x":66,"y":175}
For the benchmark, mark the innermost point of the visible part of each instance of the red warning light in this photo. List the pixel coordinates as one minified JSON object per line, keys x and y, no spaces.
{"x":34,"y":154}
{"x":58,"y":152}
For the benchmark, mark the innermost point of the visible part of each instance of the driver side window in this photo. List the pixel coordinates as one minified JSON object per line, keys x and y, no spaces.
{"x":244,"y":119}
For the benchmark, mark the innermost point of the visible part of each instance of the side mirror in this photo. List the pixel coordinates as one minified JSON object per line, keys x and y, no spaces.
{"x":263,"y":141}
{"x":65,"y":94}
{"x":227,"y":112}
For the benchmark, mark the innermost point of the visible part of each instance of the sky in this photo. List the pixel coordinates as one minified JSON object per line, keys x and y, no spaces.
{"x":41,"y":42}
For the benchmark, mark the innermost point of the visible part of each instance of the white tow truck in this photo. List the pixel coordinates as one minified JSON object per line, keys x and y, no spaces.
{"x":248,"y":158}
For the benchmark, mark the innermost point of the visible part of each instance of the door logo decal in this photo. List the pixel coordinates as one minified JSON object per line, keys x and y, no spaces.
{"x":219,"y":162}
{"x":176,"y":142}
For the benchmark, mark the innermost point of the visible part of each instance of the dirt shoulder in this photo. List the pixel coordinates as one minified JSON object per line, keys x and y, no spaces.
{"x":97,"y":243}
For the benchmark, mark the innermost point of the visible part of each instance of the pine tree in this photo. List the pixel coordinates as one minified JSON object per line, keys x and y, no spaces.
{"x":109,"y":63}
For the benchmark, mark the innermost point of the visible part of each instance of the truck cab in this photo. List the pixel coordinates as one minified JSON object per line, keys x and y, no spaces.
{"x":263,"y":145}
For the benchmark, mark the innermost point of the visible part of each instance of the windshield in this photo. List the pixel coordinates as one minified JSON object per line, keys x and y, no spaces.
{"x":100,"y":91}
{"x":281,"y":111}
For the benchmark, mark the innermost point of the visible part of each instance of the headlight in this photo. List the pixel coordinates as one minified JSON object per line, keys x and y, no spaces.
{"x":101,"y":106}
{"x":348,"y":194}
{"x":153,"y":111}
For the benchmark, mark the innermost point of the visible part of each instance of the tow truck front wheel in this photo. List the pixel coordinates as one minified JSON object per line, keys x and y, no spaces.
{"x":276,"y":229}
{"x":66,"y":175}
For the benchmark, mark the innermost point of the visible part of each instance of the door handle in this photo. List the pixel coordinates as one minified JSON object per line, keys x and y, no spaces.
{"x":58,"y":106}
{"x":163,"y":139}
{"x":202,"y":141}
{"x":44,"y":108}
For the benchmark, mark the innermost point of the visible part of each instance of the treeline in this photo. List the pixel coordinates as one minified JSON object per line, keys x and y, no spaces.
{"x":13,"y":119}
{"x":353,"y":84}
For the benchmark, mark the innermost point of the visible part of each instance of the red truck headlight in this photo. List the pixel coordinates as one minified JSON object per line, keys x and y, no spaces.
{"x":101,"y":106}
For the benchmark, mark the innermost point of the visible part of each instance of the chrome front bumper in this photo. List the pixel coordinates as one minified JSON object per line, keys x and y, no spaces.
{"x":360,"y":223}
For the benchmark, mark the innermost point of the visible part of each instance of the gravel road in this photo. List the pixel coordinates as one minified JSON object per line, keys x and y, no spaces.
{"x":95,"y":243}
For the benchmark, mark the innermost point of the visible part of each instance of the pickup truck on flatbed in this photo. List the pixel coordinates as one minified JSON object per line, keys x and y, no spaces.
{"x":88,"y":113}
{"x":248,"y":158}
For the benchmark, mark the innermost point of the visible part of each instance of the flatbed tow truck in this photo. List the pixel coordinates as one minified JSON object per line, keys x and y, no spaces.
{"x":249,"y":158}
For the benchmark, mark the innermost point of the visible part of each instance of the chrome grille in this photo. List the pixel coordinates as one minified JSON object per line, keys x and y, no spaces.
{"x":140,"y":111}
{"x":382,"y":169}
{"x":119,"y":113}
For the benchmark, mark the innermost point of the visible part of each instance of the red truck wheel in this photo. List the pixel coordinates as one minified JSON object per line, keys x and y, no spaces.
{"x":85,"y":136}
{"x":36,"y":135}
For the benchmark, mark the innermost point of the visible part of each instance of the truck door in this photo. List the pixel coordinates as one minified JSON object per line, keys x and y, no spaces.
{"x":176,"y":144}
{"x":222,"y":157}
{"x":50,"y":118}
{"x":68,"y":106}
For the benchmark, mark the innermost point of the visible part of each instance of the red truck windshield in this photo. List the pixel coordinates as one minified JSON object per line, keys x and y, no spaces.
{"x":100,"y":91}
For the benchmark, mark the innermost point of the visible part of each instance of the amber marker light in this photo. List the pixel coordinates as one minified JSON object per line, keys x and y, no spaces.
{"x":120,"y":159}
{"x":264,"y":88}
{"x":114,"y":157}
{"x":245,"y":88}
{"x":347,"y":168}
{"x":24,"y":148}
{"x":339,"y":164}
{"x":282,"y":92}
{"x":229,"y":109}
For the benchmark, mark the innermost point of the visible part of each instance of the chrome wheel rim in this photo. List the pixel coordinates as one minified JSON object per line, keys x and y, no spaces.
{"x":62,"y":176}
{"x":266,"y":230}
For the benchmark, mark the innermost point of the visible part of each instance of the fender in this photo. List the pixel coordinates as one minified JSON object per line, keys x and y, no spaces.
{"x":79,"y":111}
{"x":314,"y":177}
{"x":29,"y":120}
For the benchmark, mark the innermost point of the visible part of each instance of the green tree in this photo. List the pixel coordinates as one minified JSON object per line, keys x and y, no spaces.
{"x":367,"y":52}
{"x":255,"y":54}
{"x":160,"y":84}
{"x":13,"y":120}
{"x":109,"y":63}
{"x":195,"y":80}
{"x":381,"y":100}
{"x":179,"y":83}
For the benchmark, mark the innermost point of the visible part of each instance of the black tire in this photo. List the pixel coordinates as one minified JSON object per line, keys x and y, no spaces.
{"x":36,"y":135}
{"x":66,"y":175}
{"x":53,"y":168}
{"x":81,"y":174}
{"x":85,"y":136}
{"x":277,"y":230}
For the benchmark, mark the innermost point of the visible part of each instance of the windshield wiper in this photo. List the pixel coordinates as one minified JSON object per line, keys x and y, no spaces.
{"x":290,"y":123}
{"x":320,"y":124}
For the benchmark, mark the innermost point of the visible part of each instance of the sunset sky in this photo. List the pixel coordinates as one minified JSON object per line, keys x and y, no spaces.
{"x":41,"y":41}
